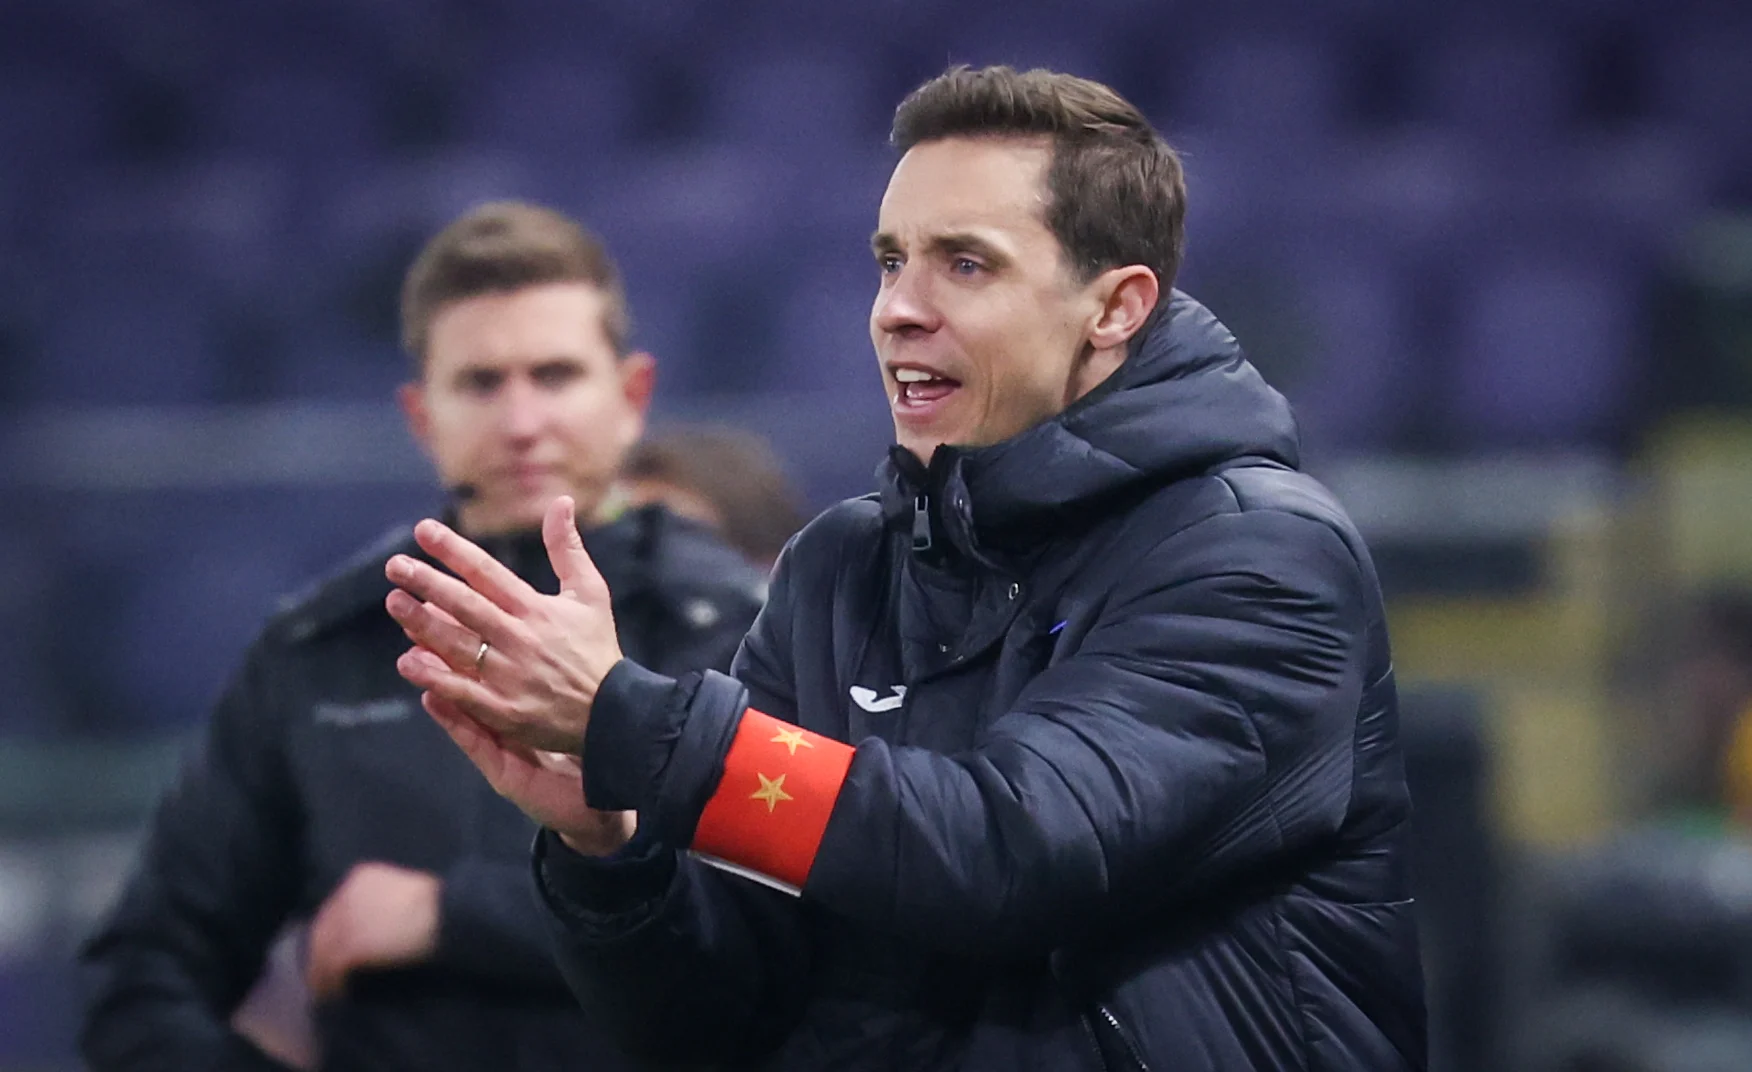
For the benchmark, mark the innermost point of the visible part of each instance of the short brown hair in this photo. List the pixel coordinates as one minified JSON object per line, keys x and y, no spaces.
{"x":1116,"y":194}
{"x":733,"y":470}
{"x":504,"y":246}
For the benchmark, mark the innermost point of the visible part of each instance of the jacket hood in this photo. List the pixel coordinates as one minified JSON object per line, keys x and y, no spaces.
{"x":1185,"y":400}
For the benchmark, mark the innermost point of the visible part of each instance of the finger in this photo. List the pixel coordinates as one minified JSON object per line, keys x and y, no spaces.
{"x":565,"y":547}
{"x":496,"y":758}
{"x":444,"y":615}
{"x":428,"y":672}
{"x":469,"y":607}
{"x":478,"y":743}
{"x":323,"y":973}
{"x":436,"y":631}
{"x":484,"y":573}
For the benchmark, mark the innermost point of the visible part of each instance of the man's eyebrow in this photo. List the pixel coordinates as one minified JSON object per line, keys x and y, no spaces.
{"x":968,"y":242}
{"x":949,"y":242}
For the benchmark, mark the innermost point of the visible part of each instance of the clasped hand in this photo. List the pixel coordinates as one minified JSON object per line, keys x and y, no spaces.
{"x":518,"y":707}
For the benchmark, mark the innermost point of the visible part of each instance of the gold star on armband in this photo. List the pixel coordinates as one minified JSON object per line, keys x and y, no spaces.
{"x":792,"y":739}
{"x":772,"y":790}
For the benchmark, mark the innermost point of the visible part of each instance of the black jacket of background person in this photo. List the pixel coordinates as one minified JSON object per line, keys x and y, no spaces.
{"x":1141,"y":802}
{"x":318,"y":757}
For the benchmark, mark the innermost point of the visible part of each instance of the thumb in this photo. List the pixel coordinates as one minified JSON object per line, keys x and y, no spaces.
{"x":565,"y":548}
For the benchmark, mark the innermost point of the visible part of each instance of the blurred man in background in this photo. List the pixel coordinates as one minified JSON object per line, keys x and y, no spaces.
{"x":723,"y":477}
{"x":323,"y":793}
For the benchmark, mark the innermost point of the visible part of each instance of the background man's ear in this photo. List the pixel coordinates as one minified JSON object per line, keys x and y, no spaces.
{"x":638,"y":372}
{"x":411,"y":397}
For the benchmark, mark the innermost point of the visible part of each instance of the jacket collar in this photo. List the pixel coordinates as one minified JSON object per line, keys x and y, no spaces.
{"x":1186,"y":400}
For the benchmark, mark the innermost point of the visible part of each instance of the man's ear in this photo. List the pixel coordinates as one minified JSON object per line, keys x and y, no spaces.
{"x":411,"y":397}
{"x":1128,"y":297}
{"x":638,"y":374}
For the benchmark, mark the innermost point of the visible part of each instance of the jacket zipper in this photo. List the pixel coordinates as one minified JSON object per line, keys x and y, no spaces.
{"x":1095,"y":1043}
{"x":921,"y":527}
{"x":1118,"y":1031}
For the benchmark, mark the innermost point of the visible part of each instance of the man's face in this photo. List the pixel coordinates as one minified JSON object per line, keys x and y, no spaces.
{"x":980,"y":327}
{"x":523,"y":399}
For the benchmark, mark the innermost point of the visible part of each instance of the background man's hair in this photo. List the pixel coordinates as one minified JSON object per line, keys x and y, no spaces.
{"x":504,"y":246}
{"x":1116,"y":194}
{"x":733,"y":470}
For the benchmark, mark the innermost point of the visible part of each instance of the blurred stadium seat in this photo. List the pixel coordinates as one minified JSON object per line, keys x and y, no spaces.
{"x":1545,"y":349}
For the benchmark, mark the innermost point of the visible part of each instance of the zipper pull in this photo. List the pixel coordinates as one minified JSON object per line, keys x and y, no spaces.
{"x":921,"y":524}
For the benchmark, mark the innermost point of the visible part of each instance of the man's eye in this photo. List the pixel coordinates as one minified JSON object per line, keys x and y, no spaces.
{"x":890,"y":263}
{"x":965,"y":266}
{"x":481,"y":381}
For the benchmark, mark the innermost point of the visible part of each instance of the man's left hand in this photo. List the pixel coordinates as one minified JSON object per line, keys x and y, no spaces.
{"x":544,"y":656}
{"x":380,"y":916}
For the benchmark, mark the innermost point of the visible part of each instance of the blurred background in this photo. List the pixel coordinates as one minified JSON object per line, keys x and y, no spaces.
{"x":1498,"y":254}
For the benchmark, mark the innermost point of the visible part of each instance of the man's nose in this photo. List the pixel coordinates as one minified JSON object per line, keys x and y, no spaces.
{"x":522,"y":409}
{"x":904,"y":304}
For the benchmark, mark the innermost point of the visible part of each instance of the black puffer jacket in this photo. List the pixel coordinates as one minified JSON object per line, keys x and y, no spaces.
{"x":1126,"y":792}
{"x":317,"y":758}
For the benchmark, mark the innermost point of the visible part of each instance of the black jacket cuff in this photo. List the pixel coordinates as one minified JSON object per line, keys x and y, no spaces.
{"x":656,"y":745}
{"x":627,"y":740}
{"x":600,"y":890}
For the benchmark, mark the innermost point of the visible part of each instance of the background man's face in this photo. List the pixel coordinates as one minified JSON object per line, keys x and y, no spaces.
{"x":978,"y":325}
{"x":523,"y":399}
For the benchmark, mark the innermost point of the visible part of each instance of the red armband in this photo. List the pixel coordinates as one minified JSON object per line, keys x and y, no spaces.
{"x":771,"y":808}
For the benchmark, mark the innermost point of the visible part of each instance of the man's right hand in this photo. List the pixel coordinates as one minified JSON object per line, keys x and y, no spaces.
{"x":547,"y":786}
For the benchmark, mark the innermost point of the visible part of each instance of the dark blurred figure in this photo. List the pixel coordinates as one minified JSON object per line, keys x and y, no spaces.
{"x":1650,"y":959}
{"x":1457,"y":865}
{"x":1709,"y":725}
{"x":722,"y":477}
{"x":322,"y":792}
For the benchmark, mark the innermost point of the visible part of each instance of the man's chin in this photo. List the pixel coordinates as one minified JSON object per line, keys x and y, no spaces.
{"x":487,"y":518}
{"x":922,"y":449}
{"x":925,"y":447}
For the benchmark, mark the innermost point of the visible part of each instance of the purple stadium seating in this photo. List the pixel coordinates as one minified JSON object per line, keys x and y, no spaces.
{"x":824,"y":335}
{"x":1518,"y":87}
{"x":1276,"y":92}
{"x":293,"y":116}
{"x":1702,"y":80}
{"x":144,"y":338}
{"x":1544,"y":349}
{"x":759,"y":99}
{"x":557,"y":109}
{"x":50,"y":123}
{"x":1362,"y":390}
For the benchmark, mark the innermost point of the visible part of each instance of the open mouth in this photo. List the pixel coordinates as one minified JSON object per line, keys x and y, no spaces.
{"x":920,"y":387}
